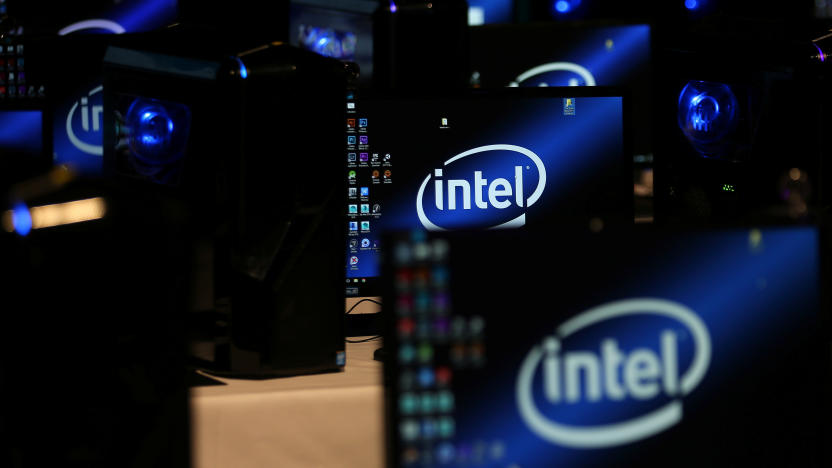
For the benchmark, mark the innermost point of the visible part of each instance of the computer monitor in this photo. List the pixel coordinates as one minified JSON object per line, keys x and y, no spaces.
{"x":490,"y":11}
{"x":24,"y":109}
{"x":93,"y":16}
{"x":664,"y":348}
{"x":480,"y":159}
{"x":587,"y":53}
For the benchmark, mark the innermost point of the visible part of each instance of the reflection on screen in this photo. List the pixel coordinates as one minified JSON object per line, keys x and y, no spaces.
{"x":631,"y":351}
{"x":328,"y":42}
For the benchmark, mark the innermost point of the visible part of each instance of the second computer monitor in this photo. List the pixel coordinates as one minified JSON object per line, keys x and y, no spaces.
{"x":553,"y":158}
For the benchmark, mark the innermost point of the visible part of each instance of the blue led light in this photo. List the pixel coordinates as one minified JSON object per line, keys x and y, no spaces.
{"x":154,"y":128}
{"x":152,"y":136}
{"x":393,"y":7}
{"x":243,"y":69}
{"x":565,"y":6}
{"x":21,"y":219}
{"x":691,"y":4}
{"x":707,"y":115}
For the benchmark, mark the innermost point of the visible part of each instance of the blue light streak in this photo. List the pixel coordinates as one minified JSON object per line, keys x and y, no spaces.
{"x":243,"y":69}
{"x":145,"y":15}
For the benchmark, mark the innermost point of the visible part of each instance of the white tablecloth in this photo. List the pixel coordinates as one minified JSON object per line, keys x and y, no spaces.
{"x":324,"y":420}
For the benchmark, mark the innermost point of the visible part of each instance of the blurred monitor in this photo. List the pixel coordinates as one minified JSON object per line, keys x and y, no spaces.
{"x":342,"y":30}
{"x":64,"y":49}
{"x":93,"y":17}
{"x":21,"y":133}
{"x":530,"y":159}
{"x":570,"y":54}
{"x":490,"y":11}
{"x":664,"y":348}
{"x":23,"y":145}
{"x":24,"y":110}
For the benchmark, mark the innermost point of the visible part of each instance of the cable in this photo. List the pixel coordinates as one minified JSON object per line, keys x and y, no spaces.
{"x":364,"y":340}
{"x":366,"y":299}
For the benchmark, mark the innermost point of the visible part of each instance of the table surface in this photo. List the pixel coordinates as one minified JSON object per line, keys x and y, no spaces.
{"x":321,"y":420}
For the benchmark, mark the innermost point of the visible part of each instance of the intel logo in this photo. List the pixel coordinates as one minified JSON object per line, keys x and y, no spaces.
{"x":607,"y":374}
{"x":95,"y":24}
{"x":83,"y":123}
{"x":555,"y":74}
{"x":488,"y":191}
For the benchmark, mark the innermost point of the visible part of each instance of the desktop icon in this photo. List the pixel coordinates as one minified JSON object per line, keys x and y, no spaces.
{"x":350,"y":105}
{"x":353,"y":192}
{"x":387,"y":174}
{"x":365,"y":191}
{"x":363,"y":139}
{"x":362,"y":122}
{"x":363,"y":157}
{"x":444,"y":122}
{"x":375,"y":174}
{"x":365,"y":208}
{"x":350,"y":139}
{"x":365,"y":242}
{"x":387,"y":157}
{"x":353,"y":225}
{"x":409,"y":430}
{"x":376,"y":208}
{"x":375,"y":157}
{"x":365,"y":225}
{"x":353,"y":260}
{"x":353,"y":243}
{"x":353,"y":209}
{"x":351,"y":157}
{"x":568,"y":106}
{"x":351,"y":123}
{"x":351,"y":174}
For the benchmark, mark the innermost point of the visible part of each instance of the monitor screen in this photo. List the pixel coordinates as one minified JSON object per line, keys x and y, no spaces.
{"x":21,"y":132}
{"x":665,"y":349}
{"x":569,"y":54}
{"x":490,"y":11}
{"x":504,"y":158}
{"x":93,"y":16}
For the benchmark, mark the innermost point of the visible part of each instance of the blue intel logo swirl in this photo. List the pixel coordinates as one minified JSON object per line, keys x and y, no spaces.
{"x":486,"y":192}
{"x":561,"y":387}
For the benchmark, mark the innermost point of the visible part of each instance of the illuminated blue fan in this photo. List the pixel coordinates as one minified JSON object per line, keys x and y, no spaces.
{"x":562,"y":7}
{"x":707,"y":116}
{"x":328,"y":42}
{"x":157,"y":131}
